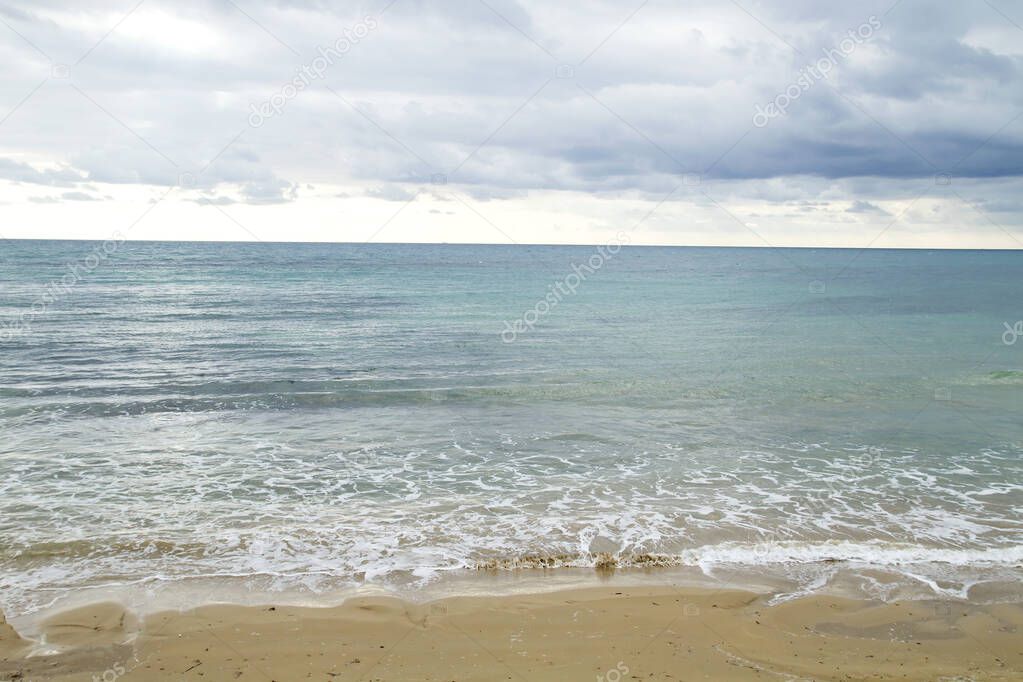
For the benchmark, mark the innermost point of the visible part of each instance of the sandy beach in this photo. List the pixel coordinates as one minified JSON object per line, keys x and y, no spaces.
{"x":603,"y":633}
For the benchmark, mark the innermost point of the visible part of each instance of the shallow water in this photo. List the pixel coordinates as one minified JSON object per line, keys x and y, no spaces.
{"x":314,"y":418}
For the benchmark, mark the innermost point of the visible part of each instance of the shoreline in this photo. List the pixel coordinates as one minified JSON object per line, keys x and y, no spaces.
{"x":775,"y":583}
{"x":655,"y":632}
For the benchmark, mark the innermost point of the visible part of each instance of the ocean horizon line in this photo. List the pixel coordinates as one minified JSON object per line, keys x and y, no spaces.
{"x":525,"y":244}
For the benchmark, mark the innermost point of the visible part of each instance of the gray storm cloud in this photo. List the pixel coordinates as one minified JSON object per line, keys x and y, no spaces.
{"x":504,"y":96}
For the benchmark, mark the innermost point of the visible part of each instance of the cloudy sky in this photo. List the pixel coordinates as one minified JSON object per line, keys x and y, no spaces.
{"x":784,"y":122}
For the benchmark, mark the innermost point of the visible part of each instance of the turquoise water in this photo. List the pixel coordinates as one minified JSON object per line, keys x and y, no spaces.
{"x":315,"y":416}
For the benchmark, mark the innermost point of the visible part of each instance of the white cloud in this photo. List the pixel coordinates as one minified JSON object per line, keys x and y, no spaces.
{"x":461,"y":102}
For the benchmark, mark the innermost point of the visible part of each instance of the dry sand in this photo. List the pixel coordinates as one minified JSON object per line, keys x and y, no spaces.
{"x":608,"y":634}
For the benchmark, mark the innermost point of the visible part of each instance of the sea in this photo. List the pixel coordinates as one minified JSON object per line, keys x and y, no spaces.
{"x":255,"y":422}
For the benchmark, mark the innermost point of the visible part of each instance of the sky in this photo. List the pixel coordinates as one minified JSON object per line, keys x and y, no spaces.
{"x":784,"y":123}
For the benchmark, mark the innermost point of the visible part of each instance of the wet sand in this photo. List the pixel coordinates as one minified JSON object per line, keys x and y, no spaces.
{"x":605,"y":633}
